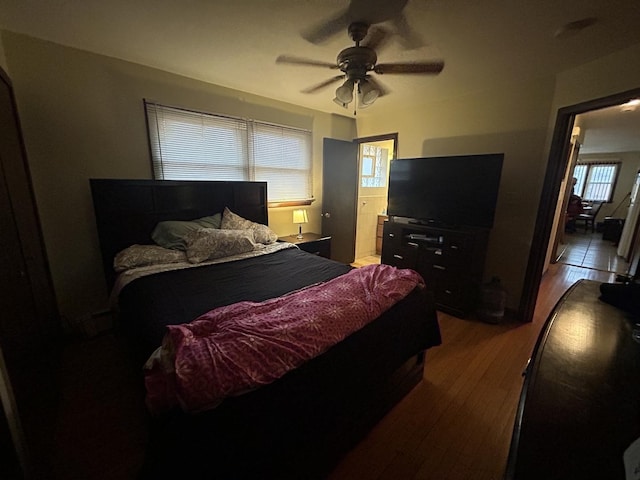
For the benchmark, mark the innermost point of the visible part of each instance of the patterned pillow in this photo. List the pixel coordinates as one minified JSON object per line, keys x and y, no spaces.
{"x":261,"y":233}
{"x":143,"y":255}
{"x":171,"y":233}
{"x":211,"y":243}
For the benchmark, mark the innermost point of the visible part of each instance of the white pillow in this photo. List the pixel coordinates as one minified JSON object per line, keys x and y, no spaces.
{"x":210,"y":243}
{"x":143,"y":255}
{"x":261,"y":233}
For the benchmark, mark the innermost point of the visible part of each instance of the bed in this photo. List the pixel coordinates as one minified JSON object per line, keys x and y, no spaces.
{"x":298,"y":426}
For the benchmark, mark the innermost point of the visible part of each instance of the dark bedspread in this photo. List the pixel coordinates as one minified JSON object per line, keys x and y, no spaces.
{"x":151,"y":303}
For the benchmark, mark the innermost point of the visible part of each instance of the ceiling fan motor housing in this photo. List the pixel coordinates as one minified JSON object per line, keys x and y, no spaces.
{"x":355,"y":62}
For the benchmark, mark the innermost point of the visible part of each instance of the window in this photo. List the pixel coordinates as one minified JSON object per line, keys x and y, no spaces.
{"x":188,"y":145}
{"x":596,"y":181}
{"x":373,"y":169}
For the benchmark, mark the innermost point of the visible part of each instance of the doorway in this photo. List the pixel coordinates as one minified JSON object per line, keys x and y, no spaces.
{"x":603,"y":167}
{"x":555,"y":177}
{"x":374,"y":158}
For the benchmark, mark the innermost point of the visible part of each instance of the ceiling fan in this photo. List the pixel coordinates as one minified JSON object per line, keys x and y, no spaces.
{"x":357,"y":63}
{"x":370,"y":12}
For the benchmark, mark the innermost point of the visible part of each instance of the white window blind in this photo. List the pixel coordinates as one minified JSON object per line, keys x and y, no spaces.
{"x":188,"y":145}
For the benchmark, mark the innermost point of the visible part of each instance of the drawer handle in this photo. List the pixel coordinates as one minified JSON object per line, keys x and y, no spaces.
{"x":439,"y":267}
{"x":392,"y":235}
{"x":437,"y":251}
{"x":412,"y":244}
{"x":453,"y":247}
{"x":448,"y":292}
{"x":399,"y":257}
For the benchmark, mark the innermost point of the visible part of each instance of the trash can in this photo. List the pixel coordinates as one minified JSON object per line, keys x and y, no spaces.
{"x":493,"y":299}
{"x":612,"y":229}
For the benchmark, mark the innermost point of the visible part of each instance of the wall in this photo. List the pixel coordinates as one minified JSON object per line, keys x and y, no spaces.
{"x":82,"y":116}
{"x":606,"y":76}
{"x":3,"y":58}
{"x":511,"y":119}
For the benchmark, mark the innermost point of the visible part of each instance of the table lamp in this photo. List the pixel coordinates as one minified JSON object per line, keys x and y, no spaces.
{"x":300,"y":217}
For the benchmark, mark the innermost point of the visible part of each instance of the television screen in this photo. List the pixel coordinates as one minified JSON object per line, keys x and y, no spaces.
{"x":449,"y":191}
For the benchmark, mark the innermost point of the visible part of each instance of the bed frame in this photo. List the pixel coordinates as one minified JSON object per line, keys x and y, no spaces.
{"x":126,"y":212}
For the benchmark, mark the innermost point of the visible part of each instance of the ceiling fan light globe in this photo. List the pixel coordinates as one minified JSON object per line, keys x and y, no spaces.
{"x":344,"y":93}
{"x":339,"y":102}
{"x":368,"y":93}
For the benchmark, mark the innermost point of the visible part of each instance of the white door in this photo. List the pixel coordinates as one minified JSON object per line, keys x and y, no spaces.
{"x":626,"y":238}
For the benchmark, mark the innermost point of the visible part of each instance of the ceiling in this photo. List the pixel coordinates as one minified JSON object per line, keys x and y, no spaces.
{"x":610,"y":130}
{"x":235,"y":43}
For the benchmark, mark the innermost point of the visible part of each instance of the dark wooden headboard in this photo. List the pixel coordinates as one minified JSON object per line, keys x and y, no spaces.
{"x":128,"y":210}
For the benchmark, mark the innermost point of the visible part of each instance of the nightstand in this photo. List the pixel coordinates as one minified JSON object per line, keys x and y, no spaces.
{"x":311,"y":242}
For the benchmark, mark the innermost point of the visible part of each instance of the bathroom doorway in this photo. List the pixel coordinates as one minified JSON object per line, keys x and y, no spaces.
{"x":374,"y":158}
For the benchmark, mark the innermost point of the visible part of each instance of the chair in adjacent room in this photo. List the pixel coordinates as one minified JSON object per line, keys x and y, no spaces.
{"x":589,"y":217}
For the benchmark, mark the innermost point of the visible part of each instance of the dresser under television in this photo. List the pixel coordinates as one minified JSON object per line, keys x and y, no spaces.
{"x":440,"y":213}
{"x":451,"y":260}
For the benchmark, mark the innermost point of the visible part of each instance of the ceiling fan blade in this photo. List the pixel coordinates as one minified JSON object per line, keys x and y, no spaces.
{"x":409,"y":38}
{"x":411,"y":67}
{"x":374,"y":11}
{"x":377,"y":38}
{"x":329,"y":27}
{"x":293,"y":60}
{"x":321,"y":85}
{"x":383,"y":90}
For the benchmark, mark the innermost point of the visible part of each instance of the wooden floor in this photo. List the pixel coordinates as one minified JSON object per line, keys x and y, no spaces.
{"x":455,"y":425}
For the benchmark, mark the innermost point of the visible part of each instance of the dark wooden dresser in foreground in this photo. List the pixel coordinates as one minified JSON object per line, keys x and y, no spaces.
{"x":580,"y":404}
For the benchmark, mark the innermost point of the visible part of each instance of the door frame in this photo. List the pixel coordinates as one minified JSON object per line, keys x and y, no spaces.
{"x":379,"y":138}
{"x":556,"y":166}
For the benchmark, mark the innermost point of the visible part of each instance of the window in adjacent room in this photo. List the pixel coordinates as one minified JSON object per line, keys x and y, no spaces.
{"x":596,"y":181}
{"x":189,"y":145}
{"x":374,"y":162}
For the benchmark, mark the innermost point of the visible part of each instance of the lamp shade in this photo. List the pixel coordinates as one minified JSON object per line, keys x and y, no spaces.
{"x":300,"y":216}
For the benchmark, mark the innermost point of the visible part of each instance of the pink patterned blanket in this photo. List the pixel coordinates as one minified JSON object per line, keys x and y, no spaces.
{"x":237,"y":348}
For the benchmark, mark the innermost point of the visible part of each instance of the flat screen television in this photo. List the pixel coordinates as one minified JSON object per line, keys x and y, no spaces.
{"x":448,"y":191}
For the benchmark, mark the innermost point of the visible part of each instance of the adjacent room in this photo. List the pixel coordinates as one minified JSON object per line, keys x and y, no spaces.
{"x":346,"y":240}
